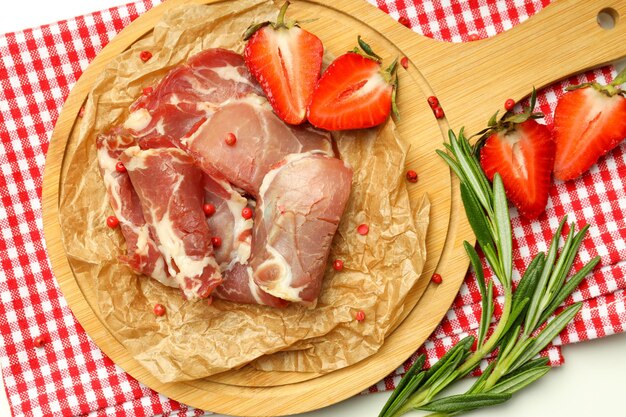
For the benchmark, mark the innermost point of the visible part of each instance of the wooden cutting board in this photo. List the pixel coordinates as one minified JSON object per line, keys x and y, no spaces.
{"x":472,"y":80}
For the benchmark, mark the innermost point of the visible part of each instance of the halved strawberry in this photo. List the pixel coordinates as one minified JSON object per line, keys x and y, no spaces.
{"x":522,"y":152}
{"x":286,"y":60}
{"x":354,"y":92}
{"x":589,"y":121}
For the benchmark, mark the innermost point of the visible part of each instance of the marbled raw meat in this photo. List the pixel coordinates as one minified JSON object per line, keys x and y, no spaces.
{"x":227,"y":222}
{"x":239,"y":286}
{"x":234,"y":254}
{"x":194,"y":108}
{"x":186,"y":94}
{"x":262,"y":140}
{"x":300,"y":204}
{"x":142,"y":254}
{"x":171,"y":192}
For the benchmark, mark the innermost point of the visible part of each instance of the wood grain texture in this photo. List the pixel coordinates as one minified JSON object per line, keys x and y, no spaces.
{"x":472,"y":80}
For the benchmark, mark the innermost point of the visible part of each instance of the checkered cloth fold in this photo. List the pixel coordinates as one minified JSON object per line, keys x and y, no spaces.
{"x":71,"y":376}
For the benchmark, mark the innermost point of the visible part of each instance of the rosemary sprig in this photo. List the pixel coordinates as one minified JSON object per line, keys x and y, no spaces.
{"x":524,"y":328}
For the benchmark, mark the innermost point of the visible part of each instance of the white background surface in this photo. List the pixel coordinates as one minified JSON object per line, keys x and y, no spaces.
{"x":591,"y":383}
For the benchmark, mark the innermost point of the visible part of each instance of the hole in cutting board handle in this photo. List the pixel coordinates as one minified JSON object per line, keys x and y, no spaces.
{"x":607,"y":18}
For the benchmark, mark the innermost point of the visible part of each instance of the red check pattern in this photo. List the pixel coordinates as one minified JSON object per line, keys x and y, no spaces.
{"x":71,"y":376}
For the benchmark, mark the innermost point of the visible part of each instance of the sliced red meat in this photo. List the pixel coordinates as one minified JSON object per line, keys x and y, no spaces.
{"x":195,"y":107}
{"x":262,"y":140}
{"x":239,"y":287}
{"x":186,"y":94}
{"x":142,"y":254}
{"x":233,"y":255}
{"x":227,"y":222}
{"x":299,"y":207}
{"x":171,"y":192}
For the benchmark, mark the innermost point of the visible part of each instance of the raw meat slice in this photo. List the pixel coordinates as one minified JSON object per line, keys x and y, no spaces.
{"x":300,"y":204}
{"x":171,"y":192}
{"x":233,"y":255}
{"x":142,"y":254}
{"x":186,"y":94}
{"x":228,"y":223}
{"x":239,"y":287}
{"x":262,"y":140}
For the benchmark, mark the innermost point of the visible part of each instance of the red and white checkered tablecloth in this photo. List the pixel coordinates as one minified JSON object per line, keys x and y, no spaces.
{"x":71,"y":376}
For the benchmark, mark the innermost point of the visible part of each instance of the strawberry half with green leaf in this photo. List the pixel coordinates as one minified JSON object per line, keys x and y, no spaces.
{"x":354,"y":92}
{"x":286,"y":60}
{"x":589,"y":121}
{"x":522,"y":152}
